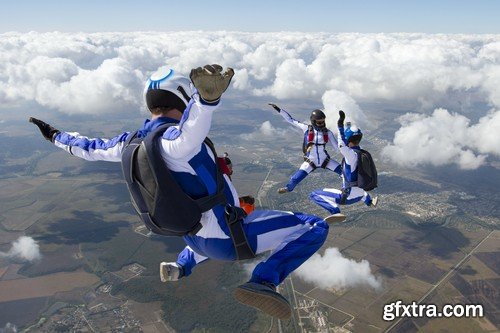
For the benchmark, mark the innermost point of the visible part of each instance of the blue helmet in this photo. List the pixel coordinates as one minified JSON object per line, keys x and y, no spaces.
{"x":352,"y":133}
{"x":165,"y":88}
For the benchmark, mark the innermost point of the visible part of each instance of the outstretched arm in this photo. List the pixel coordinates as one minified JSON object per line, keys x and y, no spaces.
{"x":95,"y":149}
{"x":333,"y":140}
{"x":92,"y":149}
{"x":289,"y":118}
{"x":186,"y":138}
{"x":349,"y":154}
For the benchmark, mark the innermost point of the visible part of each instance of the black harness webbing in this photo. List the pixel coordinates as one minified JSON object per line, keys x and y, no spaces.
{"x":234,"y":219}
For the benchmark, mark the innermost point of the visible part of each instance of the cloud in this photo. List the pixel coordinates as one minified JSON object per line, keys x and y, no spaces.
{"x":86,"y":73}
{"x":264,"y":131}
{"x":8,"y":328}
{"x":98,"y":73}
{"x":334,"y":100}
{"x":444,"y":138}
{"x":332,"y":270}
{"x":24,"y":248}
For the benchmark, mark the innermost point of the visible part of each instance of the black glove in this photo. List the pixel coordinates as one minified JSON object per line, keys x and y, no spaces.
{"x":340,"y":122}
{"x":277,"y":108}
{"x":210,"y":81}
{"x":48,"y":131}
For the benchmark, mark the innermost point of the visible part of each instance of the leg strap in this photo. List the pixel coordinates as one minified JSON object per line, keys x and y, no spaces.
{"x":311,"y":163}
{"x":325,"y":162}
{"x":345,"y":193}
{"x":234,"y":219}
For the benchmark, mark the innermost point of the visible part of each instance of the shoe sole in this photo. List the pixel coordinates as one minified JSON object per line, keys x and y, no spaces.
{"x":265,"y":303}
{"x":162,"y":274}
{"x":335,"y":218}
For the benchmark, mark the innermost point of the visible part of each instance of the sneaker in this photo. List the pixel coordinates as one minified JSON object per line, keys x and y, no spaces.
{"x":264,"y":298}
{"x":170,"y":271}
{"x":335,"y":218}
{"x":283,"y":190}
{"x":374,"y":201}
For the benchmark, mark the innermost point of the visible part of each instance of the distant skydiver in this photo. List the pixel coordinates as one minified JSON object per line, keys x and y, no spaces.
{"x":178,"y":189}
{"x":359,"y":174}
{"x":316,"y":136}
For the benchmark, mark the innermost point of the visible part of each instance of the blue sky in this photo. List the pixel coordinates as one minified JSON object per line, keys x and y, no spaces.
{"x":439,"y":16}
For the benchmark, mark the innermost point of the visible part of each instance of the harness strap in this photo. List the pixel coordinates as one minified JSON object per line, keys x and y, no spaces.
{"x":311,"y":163}
{"x":345,"y":193}
{"x":325,"y":162}
{"x":234,"y":218}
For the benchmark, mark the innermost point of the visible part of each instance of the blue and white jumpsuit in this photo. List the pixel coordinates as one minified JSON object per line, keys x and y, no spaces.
{"x":291,"y":237}
{"x":317,"y":154}
{"x":330,"y":198}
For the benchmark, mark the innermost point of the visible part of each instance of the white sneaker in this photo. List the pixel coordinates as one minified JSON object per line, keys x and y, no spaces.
{"x":169,"y":271}
{"x":335,"y":218}
{"x":374,"y":201}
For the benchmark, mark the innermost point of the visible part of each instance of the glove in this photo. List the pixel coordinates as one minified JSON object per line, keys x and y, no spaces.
{"x":340,"y":122}
{"x":170,"y":271}
{"x":277,"y":108}
{"x":48,"y":131}
{"x":211,"y":82}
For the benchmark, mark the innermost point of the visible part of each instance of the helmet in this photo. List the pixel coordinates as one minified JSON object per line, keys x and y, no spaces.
{"x":318,"y":115}
{"x":165,"y":88}
{"x":352,"y":133}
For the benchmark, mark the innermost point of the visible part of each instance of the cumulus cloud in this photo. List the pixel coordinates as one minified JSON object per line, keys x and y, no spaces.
{"x":334,"y":100}
{"x":24,"y":248}
{"x":89,"y":70}
{"x":444,"y":138}
{"x":105,"y":72}
{"x":8,"y":328}
{"x":332,"y":270}
{"x":264,"y":131}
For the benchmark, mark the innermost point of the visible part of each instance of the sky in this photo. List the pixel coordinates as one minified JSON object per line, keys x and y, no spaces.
{"x":428,"y":16}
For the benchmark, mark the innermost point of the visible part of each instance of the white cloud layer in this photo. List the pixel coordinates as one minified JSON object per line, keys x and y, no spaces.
{"x":24,"y":248}
{"x":105,"y":72}
{"x":332,"y":270}
{"x":444,"y":138}
{"x":86,"y":72}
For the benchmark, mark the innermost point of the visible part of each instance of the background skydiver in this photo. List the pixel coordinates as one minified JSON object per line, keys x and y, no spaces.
{"x":316,"y":137}
{"x":291,"y":237}
{"x":330,"y":198}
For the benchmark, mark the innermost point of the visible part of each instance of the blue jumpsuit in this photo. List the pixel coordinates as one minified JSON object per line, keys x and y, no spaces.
{"x":291,"y":237}
{"x":330,"y":198}
{"x":317,"y":154}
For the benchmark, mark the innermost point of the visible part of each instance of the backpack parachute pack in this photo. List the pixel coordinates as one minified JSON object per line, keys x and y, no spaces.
{"x":367,"y":172}
{"x":156,"y":196}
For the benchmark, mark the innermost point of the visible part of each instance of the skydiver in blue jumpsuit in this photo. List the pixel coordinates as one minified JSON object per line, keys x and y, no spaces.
{"x":291,"y":237}
{"x":316,"y":137}
{"x":349,"y":138}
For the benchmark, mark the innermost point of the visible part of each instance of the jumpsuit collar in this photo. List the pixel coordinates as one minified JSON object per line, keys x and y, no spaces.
{"x":150,"y":125}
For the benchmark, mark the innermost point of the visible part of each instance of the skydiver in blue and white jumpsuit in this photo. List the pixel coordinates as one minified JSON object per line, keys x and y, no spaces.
{"x":315,"y":142}
{"x":330,"y":198}
{"x":290,"y":236}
